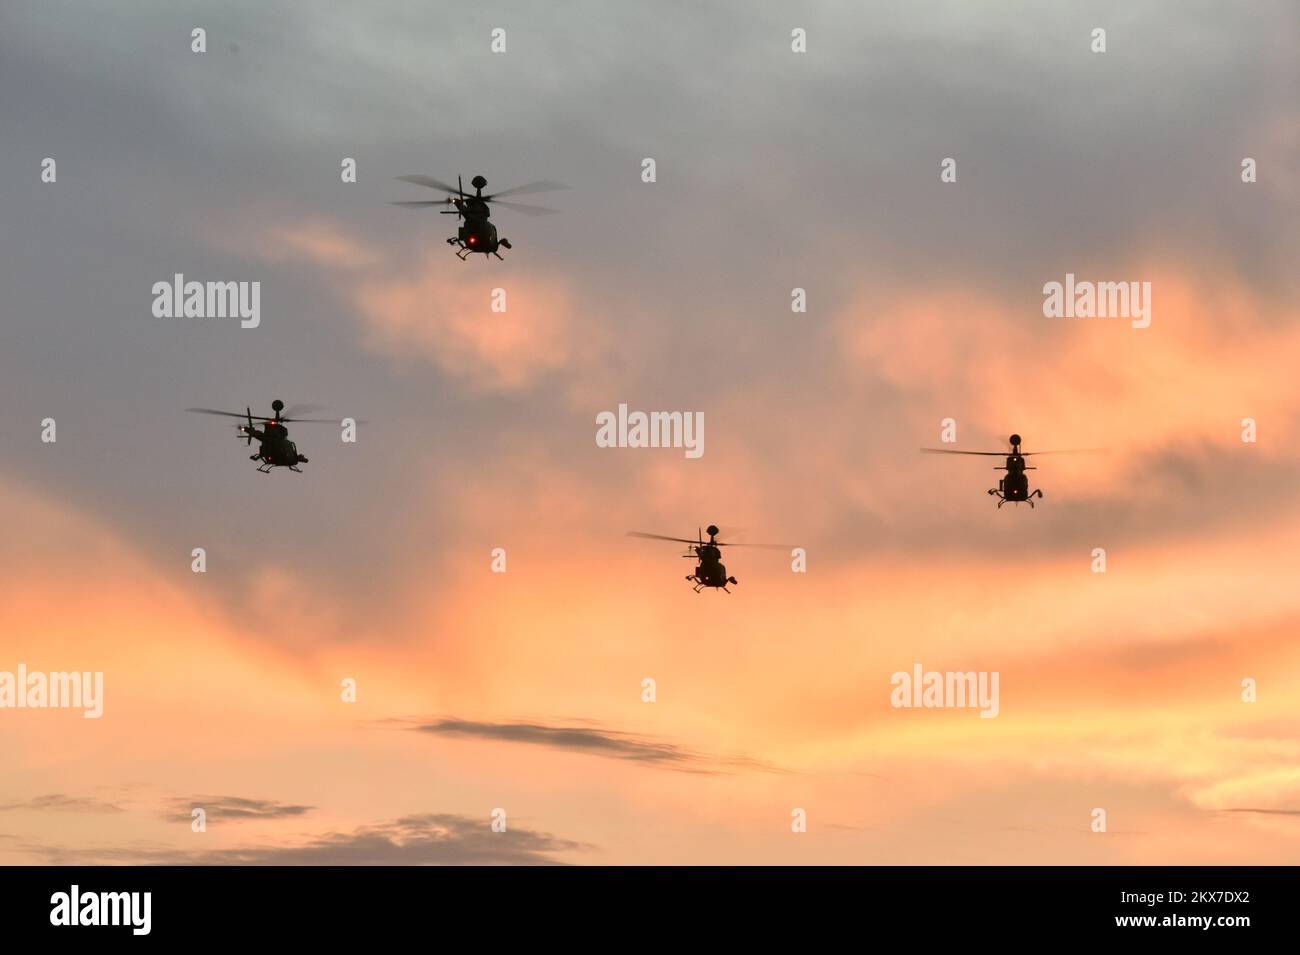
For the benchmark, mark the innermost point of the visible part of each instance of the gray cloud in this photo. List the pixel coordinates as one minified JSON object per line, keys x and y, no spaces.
{"x":594,"y":741}
{"x":429,"y":839}
{"x":817,"y":170}
{"x":231,"y":807}
{"x":60,"y":802}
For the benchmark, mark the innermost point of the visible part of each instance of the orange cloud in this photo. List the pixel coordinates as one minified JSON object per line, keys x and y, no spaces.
{"x":448,"y":321}
{"x":440,"y":313}
{"x":1212,"y":356}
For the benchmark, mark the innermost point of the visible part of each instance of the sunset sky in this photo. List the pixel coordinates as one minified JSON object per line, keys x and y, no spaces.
{"x":522,"y":690}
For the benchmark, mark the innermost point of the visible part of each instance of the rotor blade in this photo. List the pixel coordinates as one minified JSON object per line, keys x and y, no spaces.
{"x":994,"y":454}
{"x":421,"y":203}
{"x":1068,"y":451}
{"x":257,"y":417}
{"x":660,"y":537}
{"x":228,"y":414}
{"x":430,"y":182}
{"x":542,"y":186}
{"x":761,"y":546}
{"x":526,"y":210}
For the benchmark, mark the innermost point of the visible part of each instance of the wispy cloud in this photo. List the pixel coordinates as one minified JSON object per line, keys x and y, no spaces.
{"x":231,"y":807}
{"x":429,"y":839}
{"x":60,"y":802}
{"x":611,"y":744}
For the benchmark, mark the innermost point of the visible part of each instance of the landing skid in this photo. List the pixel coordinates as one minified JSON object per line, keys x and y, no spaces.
{"x":700,"y":584}
{"x":1038,"y":493}
{"x":464,"y":251}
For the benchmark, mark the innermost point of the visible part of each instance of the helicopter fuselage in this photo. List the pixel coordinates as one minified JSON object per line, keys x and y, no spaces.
{"x":275,"y":449}
{"x":710,"y":571}
{"x":476,"y":232}
{"x":478,"y":235}
{"x":1014,"y":487}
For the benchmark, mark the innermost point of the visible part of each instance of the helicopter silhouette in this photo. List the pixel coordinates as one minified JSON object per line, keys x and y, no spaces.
{"x":1013,"y":488}
{"x":709,"y":570}
{"x":275,"y":450}
{"x":476,"y":233}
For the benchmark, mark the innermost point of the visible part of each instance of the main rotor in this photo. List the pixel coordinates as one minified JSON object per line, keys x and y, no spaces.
{"x":1015,"y":452}
{"x":275,"y":424}
{"x":478,"y":203}
{"x":699,"y":541}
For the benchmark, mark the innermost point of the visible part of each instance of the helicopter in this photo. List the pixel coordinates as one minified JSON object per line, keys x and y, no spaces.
{"x":275,"y":450}
{"x":476,"y":233}
{"x":1013,"y":488}
{"x":709,"y":570}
